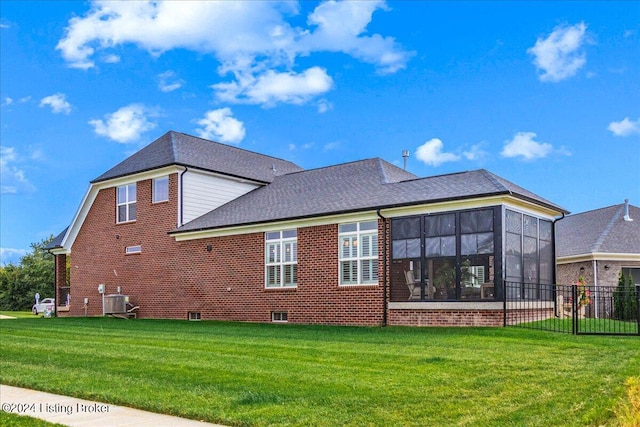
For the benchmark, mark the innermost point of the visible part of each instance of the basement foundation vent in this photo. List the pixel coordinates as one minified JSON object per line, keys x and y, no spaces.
{"x":279,"y":316}
{"x":194,"y":316}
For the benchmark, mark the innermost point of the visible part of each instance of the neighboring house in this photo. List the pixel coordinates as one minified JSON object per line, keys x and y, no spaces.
{"x":599,"y":245}
{"x":190,"y":228}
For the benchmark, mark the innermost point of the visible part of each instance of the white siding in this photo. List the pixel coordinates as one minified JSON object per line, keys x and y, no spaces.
{"x":202,"y":193}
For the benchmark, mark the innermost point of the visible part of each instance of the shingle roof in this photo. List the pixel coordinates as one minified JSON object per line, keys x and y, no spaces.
{"x":351,"y":187}
{"x":174,"y":148}
{"x":599,"y":231}
{"x":57,"y":241}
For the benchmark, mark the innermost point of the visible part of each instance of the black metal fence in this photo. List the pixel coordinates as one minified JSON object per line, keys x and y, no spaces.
{"x":572,"y":309}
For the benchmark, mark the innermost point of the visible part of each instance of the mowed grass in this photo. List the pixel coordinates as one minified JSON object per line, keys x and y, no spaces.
{"x":292,"y":375}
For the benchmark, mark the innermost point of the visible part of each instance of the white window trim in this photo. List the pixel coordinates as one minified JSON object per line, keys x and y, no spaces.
{"x":359,"y":234}
{"x":129,"y":250}
{"x":126,"y":203}
{"x":283,"y":242}
{"x":279,"y":317}
{"x":154,"y":195}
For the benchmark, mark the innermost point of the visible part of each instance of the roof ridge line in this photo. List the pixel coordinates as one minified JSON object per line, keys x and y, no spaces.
{"x":382,"y":171}
{"x":246,"y":150}
{"x":492,"y":178}
{"x":174,"y":148}
{"x":607,"y":229}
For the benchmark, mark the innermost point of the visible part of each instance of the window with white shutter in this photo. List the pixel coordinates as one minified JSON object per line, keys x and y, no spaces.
{"x":358,"y":253}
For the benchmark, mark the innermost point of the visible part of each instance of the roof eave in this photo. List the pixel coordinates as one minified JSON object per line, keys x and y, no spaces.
{"x":551,"y":208}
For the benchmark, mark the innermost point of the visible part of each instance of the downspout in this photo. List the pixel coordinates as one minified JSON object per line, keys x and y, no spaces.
{"x":384,"y":267}
{"x":55,"y":284}
{"x":181,"y":197}
{"x":595,"y":284}
{"x":555,"y":266}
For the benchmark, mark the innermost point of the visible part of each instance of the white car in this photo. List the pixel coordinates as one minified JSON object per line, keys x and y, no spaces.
{"x":45,"y":305}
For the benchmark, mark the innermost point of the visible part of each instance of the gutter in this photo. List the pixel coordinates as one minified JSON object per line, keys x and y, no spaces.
{"x":385,"y":303}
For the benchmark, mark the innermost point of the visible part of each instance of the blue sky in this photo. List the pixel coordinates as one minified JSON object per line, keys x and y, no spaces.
{"x":544,"y":94}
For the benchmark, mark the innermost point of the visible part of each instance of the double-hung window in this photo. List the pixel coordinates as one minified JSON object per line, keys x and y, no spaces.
{"x":161,"y":189}
{"x":281,"y":259}
{"x":126,"y":203}
{"x":358,"y":253}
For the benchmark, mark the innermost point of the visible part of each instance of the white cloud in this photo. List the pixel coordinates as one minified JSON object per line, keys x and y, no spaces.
{"x":111,"y":59}
{"x":331,"y":146}
{"x":24,"y":99}
{"x":126,"y":124}
{"x":560,"y":55}
{"x":57,"y":102}
{"x":14,"y":180}
{"x":523,"y":145}
{"x":625,"y":127}
{"x":254,"y":41}
{"x":272,"y":87}
{"x":340,"y":26}
{"x":11,"y":255}
{"x":220,"y":125}
{"x":431,"y":153}
{"x":476,"y":152}
{"x":169,"y":82}
{"x":324,"y":106}
{"x":8,"y":101}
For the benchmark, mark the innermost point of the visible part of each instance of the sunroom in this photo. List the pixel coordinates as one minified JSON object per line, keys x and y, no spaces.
{"x":465,"y":256}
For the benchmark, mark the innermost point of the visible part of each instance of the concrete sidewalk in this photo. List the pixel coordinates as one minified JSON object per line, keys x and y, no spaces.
{"x":74,"y":412}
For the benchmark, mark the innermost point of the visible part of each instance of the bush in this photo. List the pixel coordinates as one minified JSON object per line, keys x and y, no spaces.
{"x":625,"y":300}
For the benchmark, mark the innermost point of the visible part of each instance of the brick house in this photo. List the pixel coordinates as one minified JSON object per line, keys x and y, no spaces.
{"x":189,"y":228}
{"x":599,"y":245}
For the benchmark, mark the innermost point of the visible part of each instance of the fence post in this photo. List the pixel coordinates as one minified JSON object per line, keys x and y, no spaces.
{"x":638,"y":307}
{"x":504,"y":299}
{"x":574,"y":309}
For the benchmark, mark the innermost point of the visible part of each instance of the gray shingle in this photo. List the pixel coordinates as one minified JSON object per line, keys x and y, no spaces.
{"x":599,"y":231}
{"x":351,"y":187}
{"x":57,"y":241}
{"x":174,"y":148}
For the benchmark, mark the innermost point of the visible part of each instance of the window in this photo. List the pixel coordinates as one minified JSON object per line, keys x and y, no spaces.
{"x":529,"y":255}
{"x":444,"y":256}
{"x":194,"y":316}
{"x":358,"y":253}
{"x":133,"y":249}
{"x":161,"y":189}
{"x":126,"y":203}
{"x":281,"y":259}
{"x":279,"y":316}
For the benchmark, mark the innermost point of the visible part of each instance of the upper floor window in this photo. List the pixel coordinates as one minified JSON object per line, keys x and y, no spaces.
{"x":161,"y":189}
{"x":358,"y":253}
{"x":281,"y":259}
{"x":126,"y":203}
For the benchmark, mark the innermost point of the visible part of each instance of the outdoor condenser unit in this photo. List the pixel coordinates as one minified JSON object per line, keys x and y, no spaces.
{"x":115,"y":304}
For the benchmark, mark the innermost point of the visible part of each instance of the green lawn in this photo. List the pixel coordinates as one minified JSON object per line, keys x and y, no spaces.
{"x":258,"y":375}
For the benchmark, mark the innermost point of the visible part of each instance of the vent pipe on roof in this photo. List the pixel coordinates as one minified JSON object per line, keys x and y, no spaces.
{"x":273,"y":168}
{"x":405,"y":156}
{"x":626,"y":210}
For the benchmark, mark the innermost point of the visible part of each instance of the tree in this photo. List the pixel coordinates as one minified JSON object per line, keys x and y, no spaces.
{"x":34,"y":274}
{"x":625,"y":302}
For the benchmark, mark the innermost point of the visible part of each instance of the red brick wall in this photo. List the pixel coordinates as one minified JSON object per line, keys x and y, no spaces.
{"x":60,"y":262}
{"x":169,"y":279}
{"x":446,"y":317}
